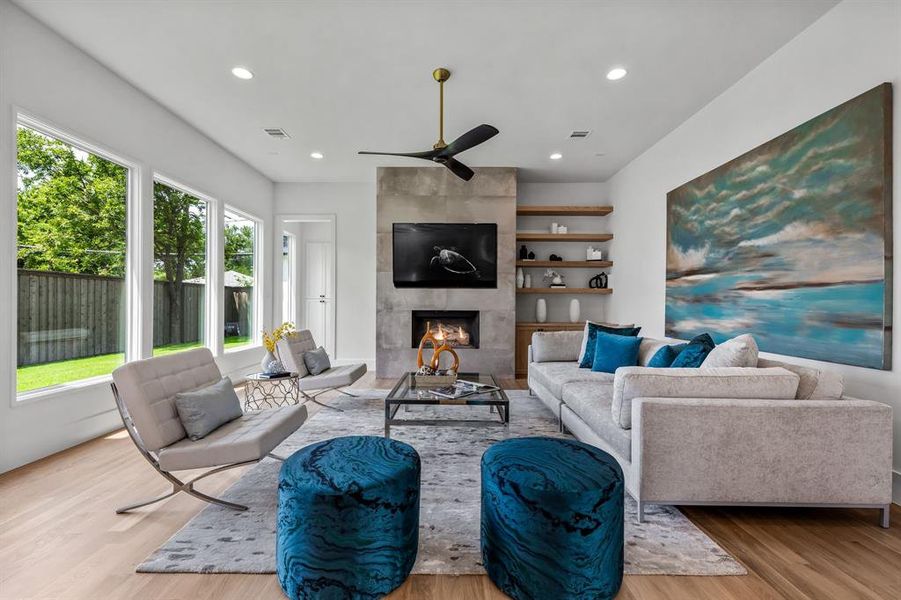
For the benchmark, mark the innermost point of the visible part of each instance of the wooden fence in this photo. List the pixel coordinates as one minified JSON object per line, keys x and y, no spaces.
{"x":63,"y":316}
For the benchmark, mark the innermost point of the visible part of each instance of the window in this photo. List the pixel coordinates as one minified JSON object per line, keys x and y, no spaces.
{"x":289,"y":245}
{"x":71,"y":225}
{"x":240,"y":279}
{"x":179,"y":269}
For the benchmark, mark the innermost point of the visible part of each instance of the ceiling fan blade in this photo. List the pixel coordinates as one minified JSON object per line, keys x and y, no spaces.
{"x":471,"y":138}
{"x":459,"y":169}
{"x":428,"y":155}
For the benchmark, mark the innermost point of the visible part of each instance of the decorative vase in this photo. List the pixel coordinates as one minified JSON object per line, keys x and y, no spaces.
{"x":574,"y":309}
{"x":527,"y":282}
{"x":520,"y":278}
{"x":268,"y":359}
{"x":541,"y":310}
{"x":554,"y":227}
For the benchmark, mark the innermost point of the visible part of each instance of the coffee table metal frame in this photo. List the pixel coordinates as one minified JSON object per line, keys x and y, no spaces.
{"x":405,"y":394}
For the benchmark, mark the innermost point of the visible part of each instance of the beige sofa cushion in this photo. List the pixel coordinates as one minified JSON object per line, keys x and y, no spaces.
{"x":554,"y":375}
{"x":248,"y":438}
{"x":591,"y":402}
{"x":148,"y":388}
{"x":815,"y":384}
{"x":727,"y":382}
{"x":556,"y":346}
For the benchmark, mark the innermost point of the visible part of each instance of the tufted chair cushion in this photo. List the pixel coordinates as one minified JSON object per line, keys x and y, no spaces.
{"x":148,"y":388}
{"x":291,"y":350}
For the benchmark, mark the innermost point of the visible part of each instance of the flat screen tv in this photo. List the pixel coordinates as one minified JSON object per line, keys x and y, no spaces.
{"x":445,"y":255}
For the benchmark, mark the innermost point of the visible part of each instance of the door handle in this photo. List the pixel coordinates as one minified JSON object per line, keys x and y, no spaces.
{"x":322,"y":295}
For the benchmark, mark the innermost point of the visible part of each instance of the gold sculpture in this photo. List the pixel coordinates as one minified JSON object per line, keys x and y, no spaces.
{"x":439,"y":348}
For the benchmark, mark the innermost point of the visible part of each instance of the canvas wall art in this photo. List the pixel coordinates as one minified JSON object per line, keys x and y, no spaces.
{"x":792,"y":241}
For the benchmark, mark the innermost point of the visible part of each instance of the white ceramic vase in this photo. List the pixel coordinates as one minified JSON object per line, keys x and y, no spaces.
{"x":528,"y":281}
{"x":520,"y":278}
{"x":268,"y":359}
{"x":541,"y":310}
{"x":574,"y":310}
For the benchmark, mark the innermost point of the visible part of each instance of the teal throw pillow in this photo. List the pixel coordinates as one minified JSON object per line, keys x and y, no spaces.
{"x":593,"y":330}
{"x":665,"y":356}
{"x":695,"y":352}
{"x":613,"y":351}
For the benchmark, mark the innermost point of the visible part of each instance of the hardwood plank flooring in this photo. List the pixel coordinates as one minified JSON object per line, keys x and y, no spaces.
{"x":60,"y":539}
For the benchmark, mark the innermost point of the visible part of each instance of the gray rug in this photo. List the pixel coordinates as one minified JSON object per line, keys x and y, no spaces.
{"x":219,"y":540}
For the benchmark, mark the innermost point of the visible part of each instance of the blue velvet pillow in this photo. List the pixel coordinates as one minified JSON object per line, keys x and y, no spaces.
{"x":695,"y":352}
{"x":664,"y":357}
{"x":587,"y":361}
{"x":612,"y":351}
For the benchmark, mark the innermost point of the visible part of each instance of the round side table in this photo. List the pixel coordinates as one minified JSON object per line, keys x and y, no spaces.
{"x":269,"y":392}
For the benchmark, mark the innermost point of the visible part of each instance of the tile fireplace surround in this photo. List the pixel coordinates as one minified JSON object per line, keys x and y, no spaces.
{"x":435,"y":195}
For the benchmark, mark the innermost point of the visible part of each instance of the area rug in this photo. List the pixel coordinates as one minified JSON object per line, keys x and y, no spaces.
{"x":219,"y":540}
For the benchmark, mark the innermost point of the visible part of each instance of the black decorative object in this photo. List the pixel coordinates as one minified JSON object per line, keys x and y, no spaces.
{"x":598,"y":282}
{"x":523,"y":252}
{"x":445,"y":255}
{"x":555,"y":258}
{"x":531,"y":255}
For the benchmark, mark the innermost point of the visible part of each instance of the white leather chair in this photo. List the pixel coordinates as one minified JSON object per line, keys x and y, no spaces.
{"x":291,"y":349}
{"x":145,"y":396}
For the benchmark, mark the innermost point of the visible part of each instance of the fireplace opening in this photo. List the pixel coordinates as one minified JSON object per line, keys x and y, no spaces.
{"x":459,"y":328}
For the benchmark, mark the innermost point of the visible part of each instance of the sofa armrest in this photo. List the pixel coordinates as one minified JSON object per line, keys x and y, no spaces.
{"x":530,"y":353}
{"x":762,"y":451}
{"x":556,"y":346}
{"x":724,"y":382}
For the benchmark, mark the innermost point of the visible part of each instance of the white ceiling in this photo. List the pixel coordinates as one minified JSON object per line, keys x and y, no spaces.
{"x":344,"y":76}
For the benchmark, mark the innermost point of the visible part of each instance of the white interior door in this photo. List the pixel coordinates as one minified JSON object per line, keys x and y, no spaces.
{"x":319,"y":302}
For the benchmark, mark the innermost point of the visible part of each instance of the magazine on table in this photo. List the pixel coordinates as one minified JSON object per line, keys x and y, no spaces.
{"x":463,"y":388}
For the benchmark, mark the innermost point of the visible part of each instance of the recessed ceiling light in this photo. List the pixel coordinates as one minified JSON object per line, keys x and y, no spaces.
{"x":242,"y":73}
{"x":556,"y":156}
{"x":617,"y":73}
{"x":316,"y":155}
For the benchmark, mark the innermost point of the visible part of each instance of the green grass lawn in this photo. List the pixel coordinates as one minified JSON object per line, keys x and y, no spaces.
{"x":34,"y":377}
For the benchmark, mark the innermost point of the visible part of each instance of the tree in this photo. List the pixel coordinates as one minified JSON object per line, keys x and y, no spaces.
{"x":239,"y":247}
{"x":71,"y":208}
{"x":179,"y":244}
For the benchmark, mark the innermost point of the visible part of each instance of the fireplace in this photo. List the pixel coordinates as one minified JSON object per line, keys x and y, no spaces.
{"x":459,"y":328}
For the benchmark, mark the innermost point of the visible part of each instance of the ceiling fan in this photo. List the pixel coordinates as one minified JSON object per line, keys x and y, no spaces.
{"x":443,"y":153}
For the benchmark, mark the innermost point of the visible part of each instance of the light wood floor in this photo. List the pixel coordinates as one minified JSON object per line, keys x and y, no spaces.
{"x":60,"y":539}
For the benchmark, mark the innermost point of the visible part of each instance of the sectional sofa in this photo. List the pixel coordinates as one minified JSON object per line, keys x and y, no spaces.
{"x":773,"y":435}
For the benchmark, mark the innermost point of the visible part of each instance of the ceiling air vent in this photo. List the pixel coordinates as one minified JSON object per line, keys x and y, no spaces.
{"x":580,"y":133}
{"x":277,"y":133}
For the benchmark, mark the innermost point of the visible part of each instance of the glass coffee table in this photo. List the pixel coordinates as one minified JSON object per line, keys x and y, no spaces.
{"x":406,"y":393}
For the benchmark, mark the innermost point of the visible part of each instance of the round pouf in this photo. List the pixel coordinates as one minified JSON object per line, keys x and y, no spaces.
{"x":348,"y":518}
{"x":552,"y":519}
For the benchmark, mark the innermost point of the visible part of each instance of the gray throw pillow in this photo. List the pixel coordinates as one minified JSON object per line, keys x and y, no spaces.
{"x":205,"y":410}
{"x":316,"y":361}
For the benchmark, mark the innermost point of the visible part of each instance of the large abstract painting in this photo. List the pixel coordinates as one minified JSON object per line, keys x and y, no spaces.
{"x":792,"y":241}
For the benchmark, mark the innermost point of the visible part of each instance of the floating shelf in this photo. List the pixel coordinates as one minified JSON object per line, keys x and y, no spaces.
{"x":523,"y":236}
{"x":567,"y":324}
{"x":566,"y":264}
{"x":565,"y":290}
{"x":564,"y":211}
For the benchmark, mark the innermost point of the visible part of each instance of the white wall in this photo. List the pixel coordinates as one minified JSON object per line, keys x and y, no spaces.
{"x":592,"y":307}
{"x":353,"y":205}
{"x":46,"y":76}
{"x":852,"y":48}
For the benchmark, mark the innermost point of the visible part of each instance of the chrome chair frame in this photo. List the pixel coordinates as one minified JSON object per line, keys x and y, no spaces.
{"x":177,"y":484}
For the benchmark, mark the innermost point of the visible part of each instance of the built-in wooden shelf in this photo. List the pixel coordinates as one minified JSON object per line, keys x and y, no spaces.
{"x":566,"y":264}
{"x":565,"y":290}
{"x":564,"y":211}
{"x":550,"y":324}
{"x":524,"y":236}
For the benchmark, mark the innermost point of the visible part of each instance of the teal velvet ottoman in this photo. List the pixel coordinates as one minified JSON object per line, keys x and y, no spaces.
{"x":348,"y":518}
{"x":552,"y":519}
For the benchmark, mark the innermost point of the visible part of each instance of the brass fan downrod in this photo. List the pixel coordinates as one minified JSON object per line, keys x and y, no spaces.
{"x":441,"y":75}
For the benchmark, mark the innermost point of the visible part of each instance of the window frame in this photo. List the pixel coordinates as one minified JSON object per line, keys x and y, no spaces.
{"x":258,"y":280}
{"x":209,"y":294}
{"x":133,"y":263}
